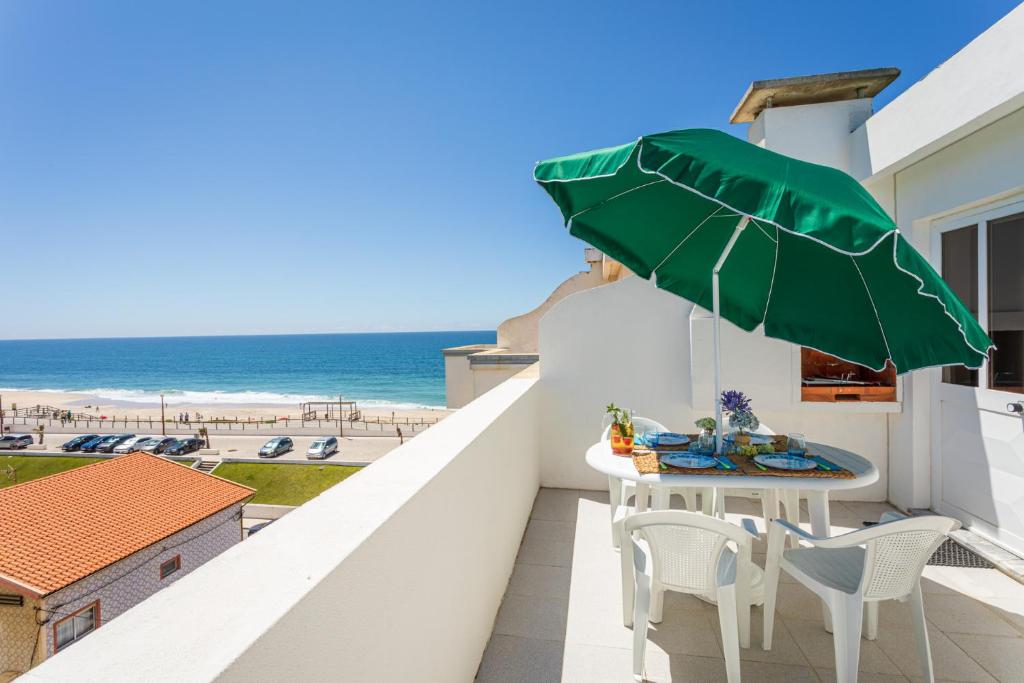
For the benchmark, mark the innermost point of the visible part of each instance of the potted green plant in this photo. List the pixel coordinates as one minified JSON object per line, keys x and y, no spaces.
{"x":621,"y":432}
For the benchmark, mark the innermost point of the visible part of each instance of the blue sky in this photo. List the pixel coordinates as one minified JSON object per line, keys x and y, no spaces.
{"x":249,"y":167}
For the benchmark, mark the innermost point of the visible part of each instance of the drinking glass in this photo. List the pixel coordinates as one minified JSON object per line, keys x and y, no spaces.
{"x":706,"y":443}
{"x":797,"y":444}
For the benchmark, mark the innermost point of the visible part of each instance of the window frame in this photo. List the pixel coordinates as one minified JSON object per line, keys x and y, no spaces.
{"x":177,"y":566}
{"x":94,"y":605}
{"x":981,"y":218}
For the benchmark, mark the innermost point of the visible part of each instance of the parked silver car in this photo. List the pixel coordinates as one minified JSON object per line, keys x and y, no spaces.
{"x":12,"y":442}
{"x":131,"y":445}
{"x":322,"y":447}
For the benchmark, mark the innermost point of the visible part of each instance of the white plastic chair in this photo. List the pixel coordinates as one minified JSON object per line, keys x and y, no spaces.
{"x":687,"y":552}
{"x":858,"y":569}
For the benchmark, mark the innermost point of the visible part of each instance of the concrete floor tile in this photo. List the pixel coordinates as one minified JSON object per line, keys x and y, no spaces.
{"x":766,"y":672}
{"x":1001,"y":657}
{"x":595,"y":664}
{"x":540,"y":581}
{"x":552,"y":553}
{"x":688,"y":633}
{"x":974,"y":583}
{"x":527,"y":616}
{"x":948,"y":660}
{"x":557,"y":505}
{"x":829,"y":676}
{"x":961,"y":614}
{"x":548,"y":530}
{"x":784,"y":648}
{"x":508,"y":659}
{"x":817,"y":645}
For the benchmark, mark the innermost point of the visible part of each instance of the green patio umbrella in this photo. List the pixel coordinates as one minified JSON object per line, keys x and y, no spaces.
{"x":762,"y":239}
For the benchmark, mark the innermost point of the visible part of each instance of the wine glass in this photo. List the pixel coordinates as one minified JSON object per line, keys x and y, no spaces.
{"x":796,"y":444}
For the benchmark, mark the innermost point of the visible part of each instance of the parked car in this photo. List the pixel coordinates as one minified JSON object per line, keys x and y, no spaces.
{"x":131,"y":445}
{"x":276,"y":446}
{"x":156,"y":444}
{"x":110,"y":443}
{"x":256,"y":527}
{"x":12,"y":442}
{"x":322,"y":448}
{"x":77,"y":442}
{"x":184,"y":446}
{"x":90,"y":446}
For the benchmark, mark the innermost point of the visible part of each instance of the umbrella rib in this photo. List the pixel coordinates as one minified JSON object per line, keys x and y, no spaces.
{"x":771,"y":285}
{"x":763,"y":231}
{"x":874,"y":308}
{"x":688,"y":236}
{"x":613,"y":197}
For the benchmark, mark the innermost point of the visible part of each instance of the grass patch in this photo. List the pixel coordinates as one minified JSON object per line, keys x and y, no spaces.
{"x":284,"y":484}
{"x":31,"y":467}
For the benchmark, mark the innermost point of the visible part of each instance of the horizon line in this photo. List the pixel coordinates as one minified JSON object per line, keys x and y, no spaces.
{"x":230,"y":336}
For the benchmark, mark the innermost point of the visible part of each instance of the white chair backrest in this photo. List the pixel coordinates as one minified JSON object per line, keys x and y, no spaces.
{"x":897,"y":553}
{"x":685,"y":547}
{"x":641,"y":425}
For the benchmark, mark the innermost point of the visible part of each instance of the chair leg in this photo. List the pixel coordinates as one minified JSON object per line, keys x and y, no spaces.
{"x":640,"y":616}
{"x":720,"y":503}
{"x":657,"y":601}
{"x":614,"y":502}
{"x":628,"y":579}
{"x":871,"y":620}
{"x":847,"y":617}
{"x":730,"y":632}
{"x":924,"y":650}
{"x":771,"y":584}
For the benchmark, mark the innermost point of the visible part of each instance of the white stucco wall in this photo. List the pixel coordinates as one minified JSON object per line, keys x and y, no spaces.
{"x":18,"y":635}
{"x":395,"y":574}
{"x":658,"y":362}
{"x":978,"y":85}
{"x":819,"y":133}
{"x":975,"y":171}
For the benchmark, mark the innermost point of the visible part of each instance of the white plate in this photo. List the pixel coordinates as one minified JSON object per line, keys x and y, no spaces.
{"x":689,"y":461}
{"x":782,"y":461}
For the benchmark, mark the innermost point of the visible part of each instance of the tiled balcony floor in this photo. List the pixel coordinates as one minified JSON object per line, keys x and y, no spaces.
{"x":561,"y":618}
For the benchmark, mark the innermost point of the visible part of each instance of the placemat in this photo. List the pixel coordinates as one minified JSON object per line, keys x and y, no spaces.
{"x":647,"y":462}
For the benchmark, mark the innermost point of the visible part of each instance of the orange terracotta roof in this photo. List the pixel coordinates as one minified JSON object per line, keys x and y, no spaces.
{"x":58,"y":529}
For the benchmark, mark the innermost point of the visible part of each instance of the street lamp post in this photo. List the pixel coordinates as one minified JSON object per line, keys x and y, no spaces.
{"x":163,"y":424}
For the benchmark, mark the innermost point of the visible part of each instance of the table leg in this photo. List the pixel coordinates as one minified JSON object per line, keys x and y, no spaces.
{"x":662,"y":497}
{"x":817,"y":506}
{"x":643,"y":495}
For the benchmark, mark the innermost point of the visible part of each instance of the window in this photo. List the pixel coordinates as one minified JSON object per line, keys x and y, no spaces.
{"x":71,"y":628}
{"x":170,"y":566}
{"x":1006,"y":303}
{"x":960,"y":271}
{"x":981,"y":263}
{"x":828,"y":379}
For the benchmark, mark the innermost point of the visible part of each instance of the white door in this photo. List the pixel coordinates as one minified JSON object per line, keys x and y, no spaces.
{"x":978,"y":441}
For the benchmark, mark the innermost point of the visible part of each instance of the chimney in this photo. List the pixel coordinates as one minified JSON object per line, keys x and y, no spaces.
{"x":811,"y":117}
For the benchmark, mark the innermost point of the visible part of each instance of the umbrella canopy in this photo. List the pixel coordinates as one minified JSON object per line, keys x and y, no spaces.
{"x":810,"y":255}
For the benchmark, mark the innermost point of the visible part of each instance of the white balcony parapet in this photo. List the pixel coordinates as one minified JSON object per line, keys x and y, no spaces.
{"x":396,"y":574}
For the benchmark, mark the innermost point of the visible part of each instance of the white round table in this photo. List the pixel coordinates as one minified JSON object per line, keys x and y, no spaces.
{"x":620,"y":468}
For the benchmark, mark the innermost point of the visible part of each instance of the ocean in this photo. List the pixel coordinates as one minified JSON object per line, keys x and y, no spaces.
{"x":396,"y":370}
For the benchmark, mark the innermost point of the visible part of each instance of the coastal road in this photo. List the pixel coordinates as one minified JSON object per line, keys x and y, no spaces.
{"x":350,"y":448}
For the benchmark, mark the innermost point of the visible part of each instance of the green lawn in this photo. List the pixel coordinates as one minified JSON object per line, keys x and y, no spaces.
{"x":31,"y":467}
{"x":284,"y":484}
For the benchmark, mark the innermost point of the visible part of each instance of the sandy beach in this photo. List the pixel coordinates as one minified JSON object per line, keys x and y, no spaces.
{"x":97,"y":406}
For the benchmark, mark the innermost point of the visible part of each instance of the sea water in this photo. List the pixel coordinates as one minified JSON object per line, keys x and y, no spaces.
{"x":397,"y":370}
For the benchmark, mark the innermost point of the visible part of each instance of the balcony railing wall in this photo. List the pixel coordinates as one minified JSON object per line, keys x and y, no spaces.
{"x":396,"y":574}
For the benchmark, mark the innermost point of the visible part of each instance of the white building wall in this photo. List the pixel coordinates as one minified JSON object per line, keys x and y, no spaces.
{"x":974,"y":171}
{"x":819,"y":133}
{"x":655,"y":358}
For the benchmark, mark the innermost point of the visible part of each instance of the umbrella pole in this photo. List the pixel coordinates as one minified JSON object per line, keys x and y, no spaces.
{"x":717,"y":328}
